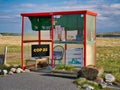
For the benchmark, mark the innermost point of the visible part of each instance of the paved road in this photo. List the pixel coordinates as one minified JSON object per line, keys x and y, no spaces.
{"x":35,"y":81}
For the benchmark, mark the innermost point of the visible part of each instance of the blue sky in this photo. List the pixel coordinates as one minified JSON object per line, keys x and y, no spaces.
{"x":108,"y":18}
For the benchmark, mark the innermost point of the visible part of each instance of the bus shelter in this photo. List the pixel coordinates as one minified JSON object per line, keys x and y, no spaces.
{"x":66,"y":37}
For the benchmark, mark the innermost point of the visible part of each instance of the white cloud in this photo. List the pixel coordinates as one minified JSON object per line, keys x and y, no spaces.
{"x":9,"y":16}
{"x":117,"y":6}
{"x":5,"y":17}
{"x":108,"y":13}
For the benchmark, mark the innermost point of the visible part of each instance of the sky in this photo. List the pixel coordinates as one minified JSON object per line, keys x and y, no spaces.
{"x":108,"y":19}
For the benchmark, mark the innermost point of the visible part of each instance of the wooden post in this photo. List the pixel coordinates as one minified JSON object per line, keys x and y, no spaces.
{"x":5,"y":55}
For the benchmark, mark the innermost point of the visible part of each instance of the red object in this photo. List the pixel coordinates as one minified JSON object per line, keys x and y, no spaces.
{"x":85,"y":32}
{"x":59,"y":13}
{"x":52,"y":14}
{"x":22,"y":49}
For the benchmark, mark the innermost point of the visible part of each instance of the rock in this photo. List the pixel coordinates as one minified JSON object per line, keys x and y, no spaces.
{"x":78,"y":86}
{"x":0,"y":71}
{"x":5,"y":72}
{"x":27,"y":70}
{"x":42,"y":64}
{"x":85,"y":85}
{"x":90,"y":72}
{"x":103,"y":85}
{"x":99,"y":69}
{"x":13,"y":70}
{"x":88,"y":87}
{"x":109,"y":78}
{"x":99,"y":80}
{"x":18,"y":70}
{"x":10,"y":73}
{"x":21,"y":70}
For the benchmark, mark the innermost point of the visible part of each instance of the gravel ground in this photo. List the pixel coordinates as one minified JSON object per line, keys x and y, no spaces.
{"x":35,"y":81}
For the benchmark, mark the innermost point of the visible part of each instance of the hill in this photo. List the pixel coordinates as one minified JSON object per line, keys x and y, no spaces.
{"x":10,"y":34}
{"x":108,"y":34}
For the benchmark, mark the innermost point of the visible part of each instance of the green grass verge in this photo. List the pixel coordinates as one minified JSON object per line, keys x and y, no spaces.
{"x":109,"y":59}
{"x":107,"y":56}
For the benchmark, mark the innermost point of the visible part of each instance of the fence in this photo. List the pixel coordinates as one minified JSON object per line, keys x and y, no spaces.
{"x":13,"y":55}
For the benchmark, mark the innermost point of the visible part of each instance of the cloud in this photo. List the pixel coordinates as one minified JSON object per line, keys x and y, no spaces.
{"x":28,"y":5}
{"x":109,"y":13}
{"x":117,"y":6}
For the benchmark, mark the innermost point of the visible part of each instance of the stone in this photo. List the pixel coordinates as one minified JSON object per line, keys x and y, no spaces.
{"x":21,"y":70}
{"x":88,"y":87}
{"x":79,"y":86}
{"x":100,"y":69}
{"x":27,"y":70}
{"x":42,"y":64}
{"x":99,"y":80}
{"x":109,"y":78}
{"x":85,"y":85}
{"x":103,"y":85}
{"x":13,"y":70}
{"x":90,"y":72}
{"x":10,"y":73}
{"x":5,"y":72}
{"x":0,"y":70}
{"x":18,"y":70}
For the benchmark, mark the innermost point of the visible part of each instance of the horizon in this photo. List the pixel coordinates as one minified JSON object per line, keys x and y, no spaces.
{"x":108,"y":18}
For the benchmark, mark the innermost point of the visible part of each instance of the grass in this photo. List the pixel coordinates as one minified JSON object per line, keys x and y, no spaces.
{"x":65,"y":67}
{"x":108,"y":52}
{"x":109,"y":58}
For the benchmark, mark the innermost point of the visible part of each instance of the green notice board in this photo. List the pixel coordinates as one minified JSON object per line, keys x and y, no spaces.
{"x":70,"y":22}
{"x":40,"y":23}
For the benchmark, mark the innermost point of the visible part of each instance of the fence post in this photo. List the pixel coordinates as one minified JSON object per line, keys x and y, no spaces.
{"x":5,"y":55}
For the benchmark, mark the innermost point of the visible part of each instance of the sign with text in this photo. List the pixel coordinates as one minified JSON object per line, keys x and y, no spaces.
{"x":74,"y":57}
{"x":40,"y":50}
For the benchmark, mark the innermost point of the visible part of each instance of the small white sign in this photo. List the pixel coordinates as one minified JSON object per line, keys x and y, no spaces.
{"x":74,"y":57}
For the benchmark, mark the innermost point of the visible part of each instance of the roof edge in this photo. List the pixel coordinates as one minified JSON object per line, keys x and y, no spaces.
{"x":59,"y":13}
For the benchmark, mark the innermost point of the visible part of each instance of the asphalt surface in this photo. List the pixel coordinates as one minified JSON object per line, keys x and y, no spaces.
{"x":35,"y":81}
